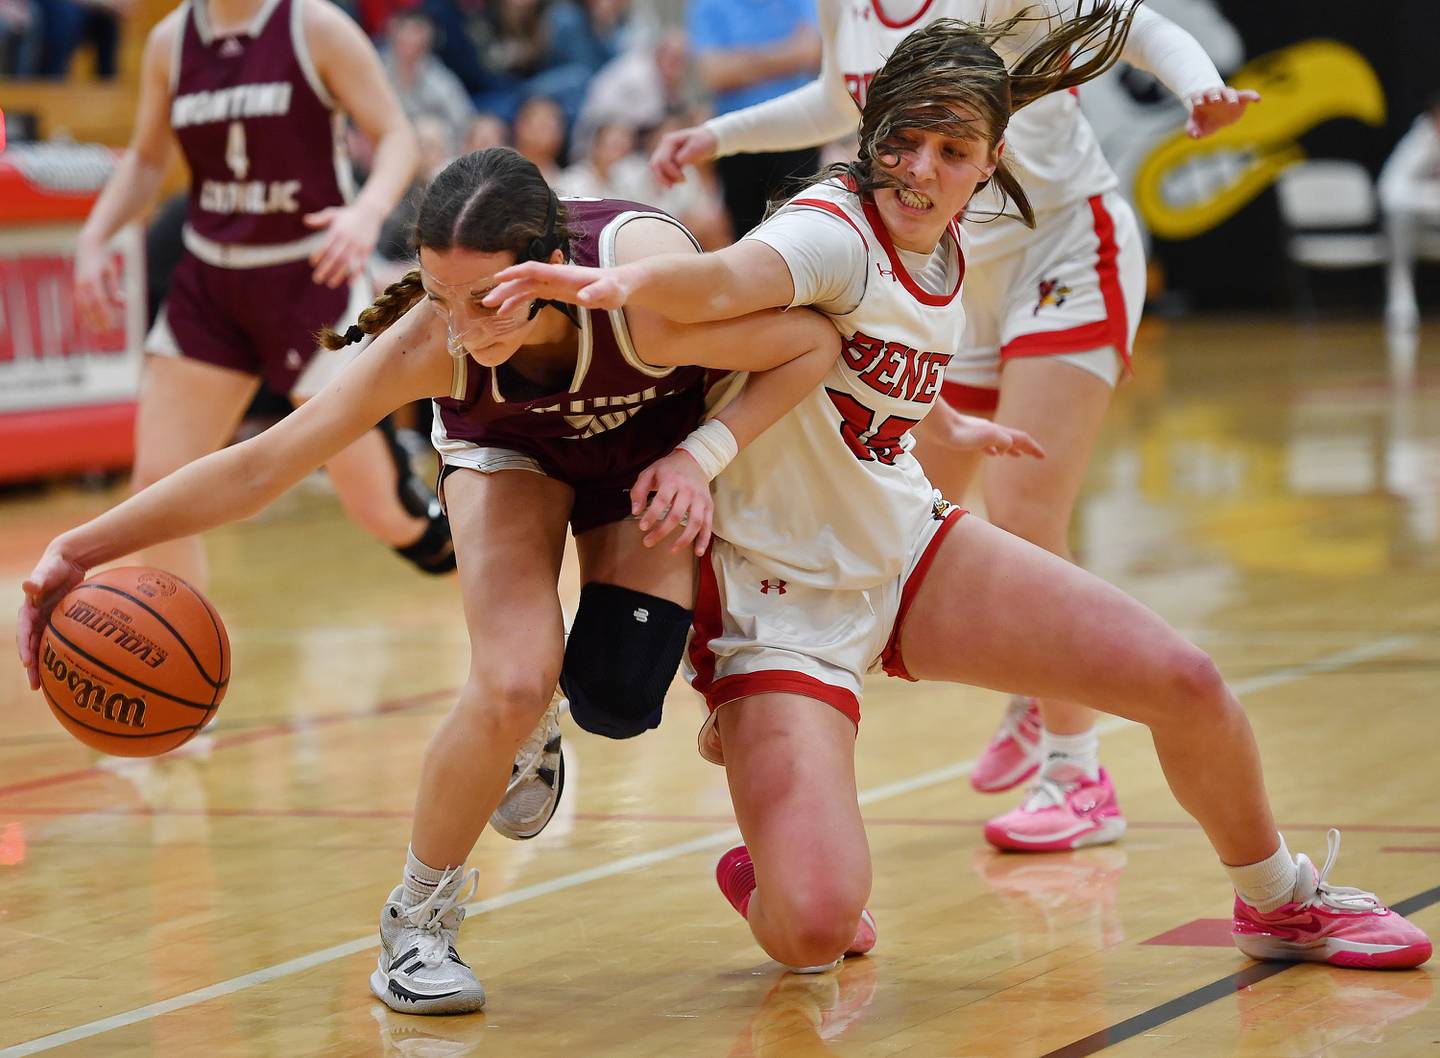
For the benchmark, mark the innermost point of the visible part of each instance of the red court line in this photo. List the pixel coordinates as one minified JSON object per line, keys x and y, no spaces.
{"x":244,"y":738}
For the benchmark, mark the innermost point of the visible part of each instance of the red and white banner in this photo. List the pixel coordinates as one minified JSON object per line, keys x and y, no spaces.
{"x":67,"y":391}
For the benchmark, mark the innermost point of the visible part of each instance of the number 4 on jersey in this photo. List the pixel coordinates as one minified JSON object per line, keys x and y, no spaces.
{"x":882,"y":443}
{"x":235,"y":156}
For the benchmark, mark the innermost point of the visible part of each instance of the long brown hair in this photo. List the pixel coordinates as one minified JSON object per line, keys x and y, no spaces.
{"x":949,"y":66}
{"x":488,"y":201}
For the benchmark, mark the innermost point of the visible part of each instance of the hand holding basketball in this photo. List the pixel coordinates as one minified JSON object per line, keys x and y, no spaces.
{"x":133,"y":662}
{"x":52,"y":577}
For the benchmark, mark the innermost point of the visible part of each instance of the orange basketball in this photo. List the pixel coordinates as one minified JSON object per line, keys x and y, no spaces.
{"x":134,"y":662}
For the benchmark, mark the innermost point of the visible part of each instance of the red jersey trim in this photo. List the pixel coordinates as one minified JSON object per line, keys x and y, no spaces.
{"x":1114,"y":329}
{"x":882,"y":233}
{"x":830,"y":207}
{"x":969,"y":398}
{"x":886,"y":21}
{"x":729,"y":689}
{"x":705,"y":625}
{"x":890,"y":658}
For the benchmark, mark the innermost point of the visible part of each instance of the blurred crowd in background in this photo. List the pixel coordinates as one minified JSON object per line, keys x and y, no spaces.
{"x":583,"y":88}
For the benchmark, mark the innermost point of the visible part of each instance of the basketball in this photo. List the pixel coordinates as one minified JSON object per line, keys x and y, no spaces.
{"x":134,"y":662}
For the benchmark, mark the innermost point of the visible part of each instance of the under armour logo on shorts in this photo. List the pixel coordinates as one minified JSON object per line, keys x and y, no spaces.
{"x":767,"y":586}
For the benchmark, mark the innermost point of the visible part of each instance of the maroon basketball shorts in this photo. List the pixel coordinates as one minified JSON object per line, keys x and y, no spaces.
{"x":601,"y":468}
{"x":260,"y":321}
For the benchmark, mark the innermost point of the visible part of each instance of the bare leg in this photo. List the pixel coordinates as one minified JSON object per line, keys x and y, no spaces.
{"x":1061,"y":406}
{"x":509,"y":539}
{"x":613,"y":554}
{"x":1033,"y":623}
{"x":187,"y":409}
{"x":790,"y":762}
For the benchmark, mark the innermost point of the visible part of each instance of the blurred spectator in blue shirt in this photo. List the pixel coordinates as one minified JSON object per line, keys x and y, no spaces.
{"x":748,"y":51}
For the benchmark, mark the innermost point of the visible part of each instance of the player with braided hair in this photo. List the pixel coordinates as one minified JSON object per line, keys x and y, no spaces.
{"x":547,"y":416}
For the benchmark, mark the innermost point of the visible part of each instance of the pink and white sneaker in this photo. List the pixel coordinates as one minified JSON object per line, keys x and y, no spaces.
{"x":1057,"y":817}
{"x":735,"y":874}
{"x":1335,"y":924}
{"x":1013,"y":754}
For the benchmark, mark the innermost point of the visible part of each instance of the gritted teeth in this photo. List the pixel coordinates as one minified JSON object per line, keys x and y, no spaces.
{"x":914,"y":199}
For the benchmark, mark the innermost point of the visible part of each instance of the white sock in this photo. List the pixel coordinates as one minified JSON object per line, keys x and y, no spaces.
{"x":1068,"y":758}
{"x":421,"y":880}
{"x":1268,"y":884}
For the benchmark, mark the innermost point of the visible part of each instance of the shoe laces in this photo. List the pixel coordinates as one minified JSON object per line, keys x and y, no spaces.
{"x":1019,"y":721}
{"x":437,"y":918}
{"x":1334,"y":897}
{"x":1046,"y":793}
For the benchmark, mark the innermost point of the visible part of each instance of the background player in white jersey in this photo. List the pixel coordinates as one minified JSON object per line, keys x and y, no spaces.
{"x":1052,"y":310}
{"x":252,"y":92}
{"x":833,"y":555}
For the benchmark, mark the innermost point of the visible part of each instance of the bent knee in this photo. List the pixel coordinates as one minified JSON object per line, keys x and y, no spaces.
{"x":1196,"y":684}
{"x":819,"y":924}
{"x":506,"y":705}
{"x":821,"y":935}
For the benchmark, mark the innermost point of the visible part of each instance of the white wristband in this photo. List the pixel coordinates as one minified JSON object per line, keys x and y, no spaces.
{"x":713,"y":446}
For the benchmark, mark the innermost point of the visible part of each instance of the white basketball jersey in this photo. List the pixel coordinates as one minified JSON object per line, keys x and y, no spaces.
{"x":830,"y":495}
{"x":1050,"y":147}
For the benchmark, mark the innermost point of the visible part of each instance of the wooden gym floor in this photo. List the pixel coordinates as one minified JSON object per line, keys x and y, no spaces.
{"x":1273,"y":490}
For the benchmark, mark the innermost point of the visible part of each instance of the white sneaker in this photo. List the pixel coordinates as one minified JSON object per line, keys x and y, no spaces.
{"x":419,"y":970}
{"x":537,"y":779}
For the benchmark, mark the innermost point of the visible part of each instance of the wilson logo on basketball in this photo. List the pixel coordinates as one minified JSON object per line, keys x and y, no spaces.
{"x":103,"y":624}
{"x":116,"y":707}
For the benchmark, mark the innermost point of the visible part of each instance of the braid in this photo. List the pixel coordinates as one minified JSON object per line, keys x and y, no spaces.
{"x":394,"y":301}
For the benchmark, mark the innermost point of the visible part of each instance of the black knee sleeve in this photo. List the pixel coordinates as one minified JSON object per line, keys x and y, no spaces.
{"x":623,"y":651}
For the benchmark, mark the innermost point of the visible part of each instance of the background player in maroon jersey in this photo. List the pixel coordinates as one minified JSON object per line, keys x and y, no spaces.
{"x":539,"y":441}
{"x":252,"y":91}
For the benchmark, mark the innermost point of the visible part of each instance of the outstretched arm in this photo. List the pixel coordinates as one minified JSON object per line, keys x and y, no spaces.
{"x":406,"y":363}
{"x":1160,"y":47}
{"x":684,"y":286}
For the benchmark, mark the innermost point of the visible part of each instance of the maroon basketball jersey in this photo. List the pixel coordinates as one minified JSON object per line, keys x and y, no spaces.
{"x":258,"y":129}
{"x":611,"y":385}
